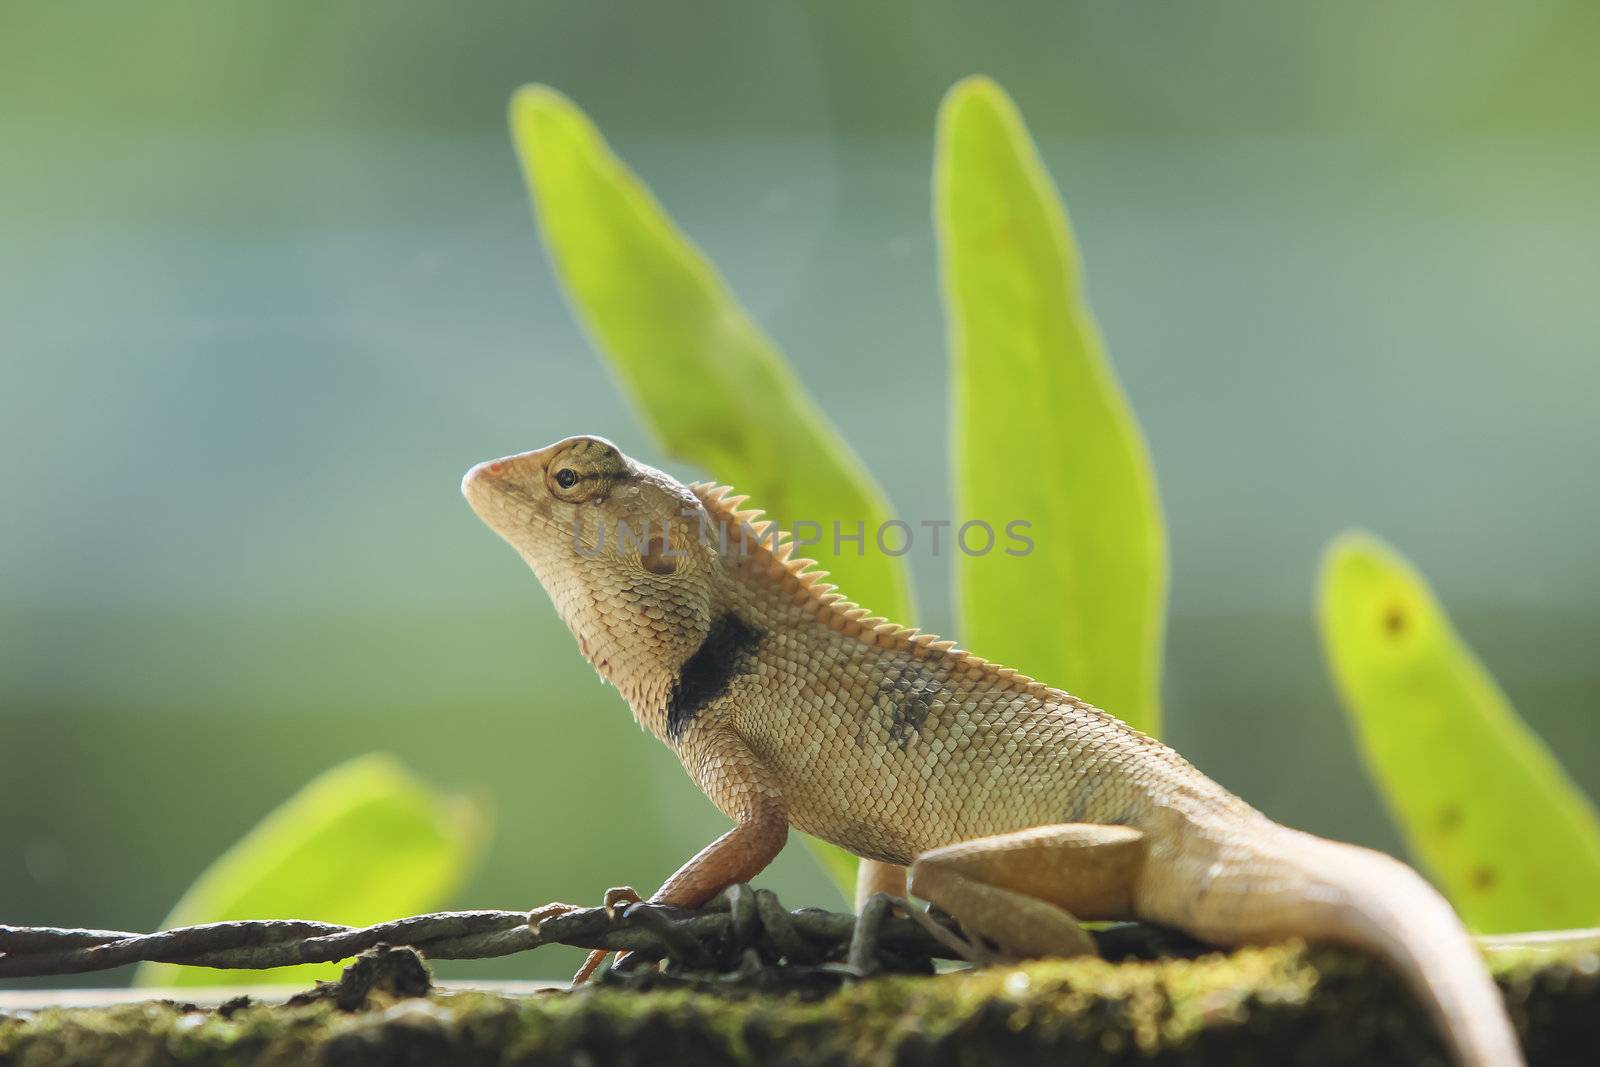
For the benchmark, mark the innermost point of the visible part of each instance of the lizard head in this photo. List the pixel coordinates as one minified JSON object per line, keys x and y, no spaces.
{"x":616,"y":545}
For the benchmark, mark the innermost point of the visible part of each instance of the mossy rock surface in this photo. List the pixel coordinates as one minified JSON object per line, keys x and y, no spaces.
{"x":1276,"y":1005}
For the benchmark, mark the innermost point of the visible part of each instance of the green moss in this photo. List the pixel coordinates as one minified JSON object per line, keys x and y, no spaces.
{"x":1254,"y":1006}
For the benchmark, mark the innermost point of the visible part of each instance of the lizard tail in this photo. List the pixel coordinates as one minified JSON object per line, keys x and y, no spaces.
{"x":1358,"y":897}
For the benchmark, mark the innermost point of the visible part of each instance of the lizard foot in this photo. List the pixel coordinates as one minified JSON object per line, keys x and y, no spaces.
{"x":972,"y":950}
{"x":555,"y":910}
{"x":617,"y":899}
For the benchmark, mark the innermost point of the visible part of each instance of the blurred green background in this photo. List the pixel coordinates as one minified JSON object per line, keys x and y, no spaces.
{"x":269,"y":285}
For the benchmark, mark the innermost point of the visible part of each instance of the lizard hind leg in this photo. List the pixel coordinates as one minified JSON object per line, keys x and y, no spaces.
{"x":1027,"y":890}
{"x":875,"y":876}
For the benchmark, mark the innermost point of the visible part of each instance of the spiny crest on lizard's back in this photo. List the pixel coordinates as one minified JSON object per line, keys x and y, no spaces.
{"x":799,"y":578}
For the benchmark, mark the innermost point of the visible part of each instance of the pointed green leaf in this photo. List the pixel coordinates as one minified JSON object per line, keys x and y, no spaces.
{"x":712,"y":387}
{"x":1043,"y":432}
{"x":1481,"y":802}
{"x":362,"y":843}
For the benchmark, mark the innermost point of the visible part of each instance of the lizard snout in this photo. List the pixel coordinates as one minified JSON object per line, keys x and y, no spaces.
{"x":481,"y":472}
{"x":490,"y":480}
{"x":508,"y":470}
{"x":478,"y":478}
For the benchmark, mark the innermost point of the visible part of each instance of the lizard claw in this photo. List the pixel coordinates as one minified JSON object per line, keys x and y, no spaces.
{"x":548,"y":911}
{"x":620,"y":895}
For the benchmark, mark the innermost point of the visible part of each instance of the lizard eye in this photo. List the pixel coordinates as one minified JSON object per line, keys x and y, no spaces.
{"x":566,"y":477}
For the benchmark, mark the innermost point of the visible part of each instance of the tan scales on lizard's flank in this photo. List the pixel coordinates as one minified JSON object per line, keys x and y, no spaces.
{"x":1018,"y":808}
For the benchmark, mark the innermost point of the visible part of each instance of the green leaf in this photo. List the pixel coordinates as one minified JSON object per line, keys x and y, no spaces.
{"x":1479,"y":799}
{"x":712,"y":387}
{"x":1043,"y":432}
{"x":362,"y":843}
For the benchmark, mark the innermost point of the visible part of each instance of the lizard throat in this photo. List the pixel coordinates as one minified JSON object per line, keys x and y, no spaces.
{"x":728,"y":651}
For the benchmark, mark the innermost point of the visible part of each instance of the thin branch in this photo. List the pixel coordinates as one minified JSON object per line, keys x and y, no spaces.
{"x":700,"y":939}
{"x":742,"y":931}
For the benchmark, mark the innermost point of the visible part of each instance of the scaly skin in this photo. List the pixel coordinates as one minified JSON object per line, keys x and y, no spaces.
{"x":1018,"y":808}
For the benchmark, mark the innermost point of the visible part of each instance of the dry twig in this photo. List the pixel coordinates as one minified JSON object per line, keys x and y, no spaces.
{"x":741,"y":932}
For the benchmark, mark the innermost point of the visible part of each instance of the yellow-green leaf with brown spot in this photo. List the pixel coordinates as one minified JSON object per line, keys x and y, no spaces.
{"x":1482,"y":804}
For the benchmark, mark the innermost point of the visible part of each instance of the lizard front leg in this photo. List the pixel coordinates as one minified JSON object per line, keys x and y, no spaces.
{"x":739,"y":784}
{"x":1027,"y":890}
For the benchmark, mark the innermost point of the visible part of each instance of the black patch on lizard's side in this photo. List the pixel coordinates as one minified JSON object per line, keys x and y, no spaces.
{"x":902,"y":705}
{"x":724,"y":655}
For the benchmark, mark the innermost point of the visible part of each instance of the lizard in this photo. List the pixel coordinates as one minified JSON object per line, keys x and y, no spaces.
{"x":1018,"y":809}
